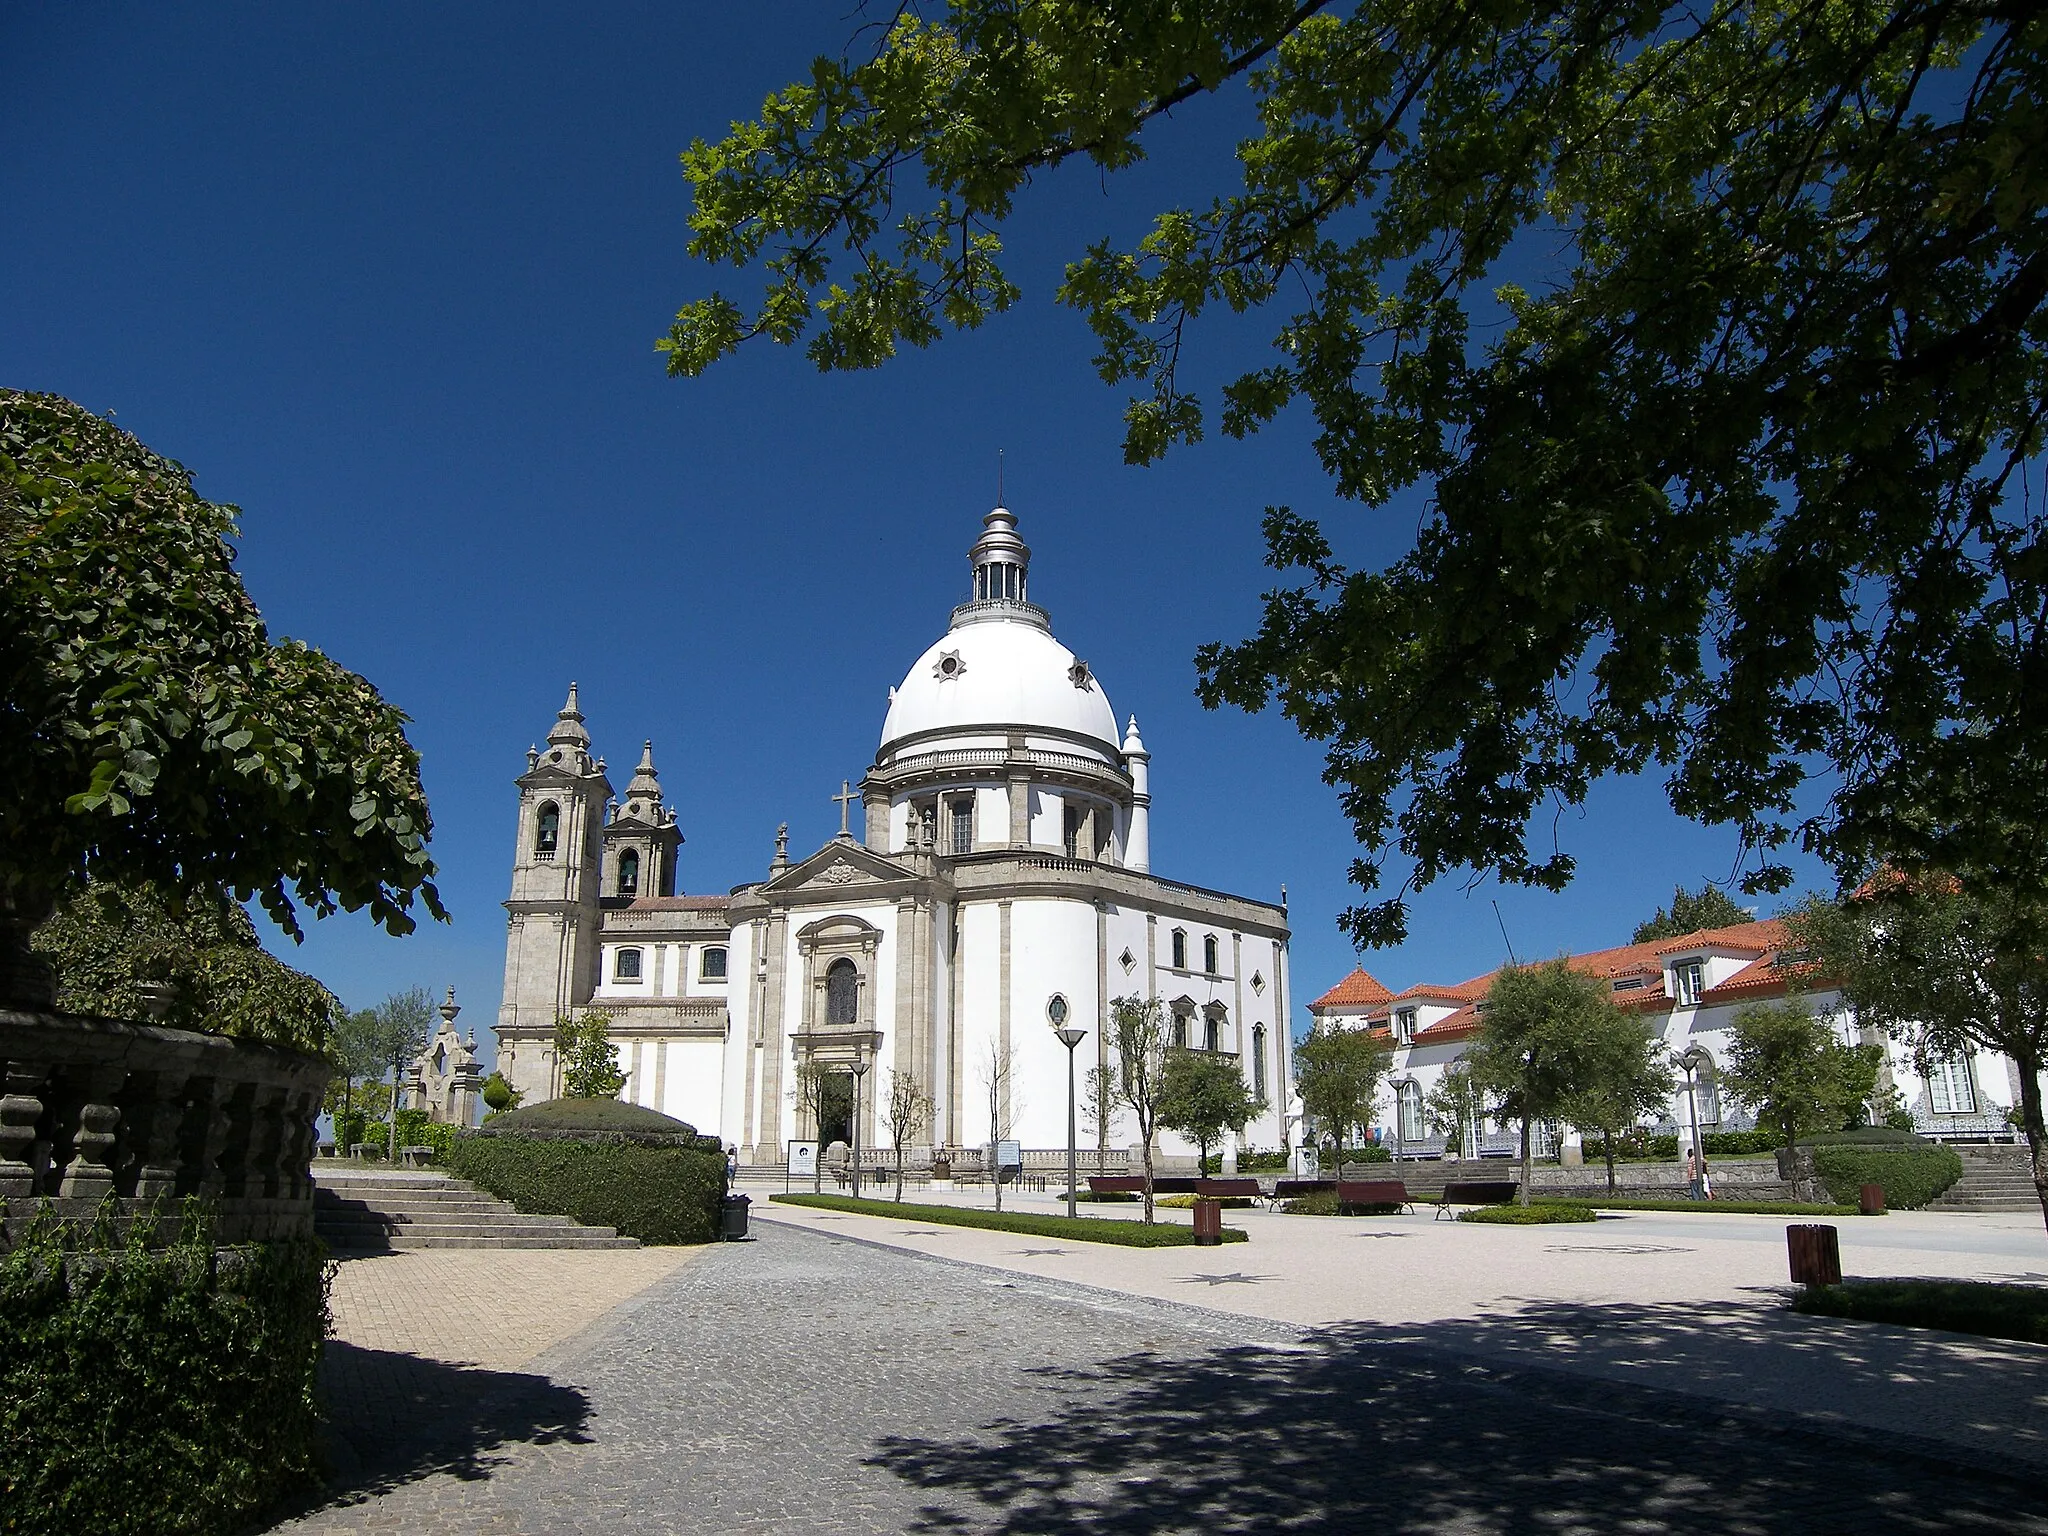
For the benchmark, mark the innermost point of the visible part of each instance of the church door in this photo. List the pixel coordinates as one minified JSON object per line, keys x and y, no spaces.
{"x":835,"y":1109}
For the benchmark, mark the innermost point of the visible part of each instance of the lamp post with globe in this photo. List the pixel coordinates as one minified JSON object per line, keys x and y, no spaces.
{"x":1070,"y":1035}
{"x":860,"y":1072}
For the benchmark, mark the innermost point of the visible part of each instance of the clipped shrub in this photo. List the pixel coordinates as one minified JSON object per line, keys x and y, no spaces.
{"x":1248,"y":1162}
{"x":1082,"y":1229}
{"x":1187,"y":1202}
{"x":1322,"y":1203}
{"x":164,"y":1391}
{"x":417,"y":1129}
{"x":1866,"y":1136}
{"x":1716,"y":1206}
{"x":1538,"y":1214}
{"x":1987,"y":1308}
{"x":602,"y":1162}
{"x":1912,"y":1172}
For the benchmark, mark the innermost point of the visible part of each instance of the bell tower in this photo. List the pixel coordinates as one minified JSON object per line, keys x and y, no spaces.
{"x":551,"y":959}
{"x":641,"y":838}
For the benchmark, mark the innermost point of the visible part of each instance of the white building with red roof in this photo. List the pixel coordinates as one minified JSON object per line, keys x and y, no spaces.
{"x":1687,"y":990}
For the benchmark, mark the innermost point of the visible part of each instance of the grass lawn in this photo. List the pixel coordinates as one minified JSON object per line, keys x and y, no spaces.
{"x":1536,"y":1214}
{"x":1961,"y":1306}
{"x":1717,"y":1207}
{"x":1080,"y":1229}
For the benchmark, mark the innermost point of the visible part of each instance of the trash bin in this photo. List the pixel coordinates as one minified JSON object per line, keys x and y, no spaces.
{"x":1872,"y":1199}
{"x":1816,"y":1255}
{"x":1208,"y":1223}
{"x":733,"y":1218}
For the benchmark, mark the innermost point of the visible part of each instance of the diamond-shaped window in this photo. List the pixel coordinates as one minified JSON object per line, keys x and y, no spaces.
{"x":1127,"y":960}
{"x":1258,"y":982}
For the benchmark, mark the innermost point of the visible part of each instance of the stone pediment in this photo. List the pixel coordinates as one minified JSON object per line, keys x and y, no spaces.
{"x":839,"y":865}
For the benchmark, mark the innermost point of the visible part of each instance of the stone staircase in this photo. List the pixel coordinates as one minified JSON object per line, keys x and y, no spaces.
{"x":383,"y":1212}
{"x":1994,"y":1179}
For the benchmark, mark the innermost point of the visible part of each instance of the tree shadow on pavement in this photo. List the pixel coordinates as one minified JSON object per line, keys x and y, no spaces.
{"x":394,"y":1418}
{"x":1367,"y":1428}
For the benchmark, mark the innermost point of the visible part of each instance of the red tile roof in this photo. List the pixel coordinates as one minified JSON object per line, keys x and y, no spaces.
{"x":1358,"y":990}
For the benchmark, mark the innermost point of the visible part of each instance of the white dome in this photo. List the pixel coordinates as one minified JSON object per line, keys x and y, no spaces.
{"x":988,"y":675}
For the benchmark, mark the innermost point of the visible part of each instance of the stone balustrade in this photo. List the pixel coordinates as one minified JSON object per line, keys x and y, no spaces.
{"x":91,"y":1107}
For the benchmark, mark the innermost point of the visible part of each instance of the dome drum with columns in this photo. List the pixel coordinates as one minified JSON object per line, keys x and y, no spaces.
{"x":1002,"y":855}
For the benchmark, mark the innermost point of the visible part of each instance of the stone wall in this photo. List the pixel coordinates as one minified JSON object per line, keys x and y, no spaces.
{"x":91,"y":1107}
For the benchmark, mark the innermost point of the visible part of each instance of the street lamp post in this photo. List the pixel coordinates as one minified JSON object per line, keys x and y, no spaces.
{"x":1070,"y":1035}
{"x":1691,"y":1062}
{"x":860,"y":1071}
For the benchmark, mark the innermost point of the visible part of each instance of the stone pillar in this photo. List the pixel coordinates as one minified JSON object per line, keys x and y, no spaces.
{"x":1020,"y":808}
{"x":91,"y":1171}
{"x":21,"y":1107}
{"x":156,"y":1138}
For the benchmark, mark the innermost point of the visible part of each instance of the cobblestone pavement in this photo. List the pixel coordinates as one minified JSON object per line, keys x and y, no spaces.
{"x":803,"y":1383}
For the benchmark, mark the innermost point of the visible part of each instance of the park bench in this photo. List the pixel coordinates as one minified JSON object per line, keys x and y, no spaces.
{"x":1229,"y":1189}
{"x":1372,"y":1195}
{"x":1164,"y":1184}
{"x":1477,"y":1192}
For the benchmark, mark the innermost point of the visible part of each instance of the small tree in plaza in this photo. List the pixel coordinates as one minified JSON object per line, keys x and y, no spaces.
{"x":1138,"y":1031}
{"x":402,"y":1022}
{"x":998,"y":1072}
{"x":1203,"y":1095}
{"x":1098,"y":1104}
{"x":499,"y":1094}
{"x":1947,"y":969}
{"x":1789,"y":1067}
{"x":906,"y":1115}
{"x":1454,"y":1104}
{"x":1338,"y":1073}
{"x":1623,"y":1075}
{"x":809,"y":1088}
{"x":588,"y":1060}
{"x":358,"y":1049}
{"x":1531,"y":1052}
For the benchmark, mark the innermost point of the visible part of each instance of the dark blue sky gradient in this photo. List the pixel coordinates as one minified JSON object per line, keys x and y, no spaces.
{"x":389,"y":278}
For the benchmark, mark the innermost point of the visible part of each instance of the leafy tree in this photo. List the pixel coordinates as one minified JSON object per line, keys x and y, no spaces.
{"x":1454,"y":1104}
{"x":1690,"y":911}
{"x":1137,"y":1032}
{"x":1202,"y":1095}
{"x":152,"y":730}
{"x":1788,"y":1067}
{"x":1712,"y":334}
{"x":499,"y":1094}
{"x":1624,"y":1074}
{"x":1337,"y":1074}
{"x":109,"y":939}
{"x":907,"y":1115}
{"x":1532,"y":1052}
{"x":404,"y":1021}
{"x":1098,"y":1103}
{"x":1948,"y":968}
{"x":588,"y":1060}
{"x":358,"y":1050}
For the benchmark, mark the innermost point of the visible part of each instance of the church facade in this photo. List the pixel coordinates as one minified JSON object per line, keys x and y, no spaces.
{"x":1001,"y":858}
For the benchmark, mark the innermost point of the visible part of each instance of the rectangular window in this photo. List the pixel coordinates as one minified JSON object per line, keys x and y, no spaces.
{"x":1952,"y":1087}
{"x":626,"y":965}
{"x":1180,"y":950}
{"x":1689,"y":978}
{"x":963,"y":826}
{"x":1411,"y":1111}
{"x":1404,"y":1025}
{"x":1209,"y":955}
{"x":1259,"y":1060}
{"x":1073,"y":833}
{"x":1212,"y":1033}
{"x":712,"y":966}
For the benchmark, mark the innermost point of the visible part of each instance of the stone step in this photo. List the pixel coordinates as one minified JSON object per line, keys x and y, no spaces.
{"x":579,"y":1239}
{"x":446,"y":1207}
{"x":381,"y":1213}
{"x":502,"y":1216}
{"x":360,"y":1230}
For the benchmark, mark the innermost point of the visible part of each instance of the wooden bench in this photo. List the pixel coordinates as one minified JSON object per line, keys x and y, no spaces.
{"x":1372,"y":1195}
{"x":1163,"y":1184}
{"x":1294,"y":1189}
{"x":1229,"y":1189}
{"x":1477,"y":1192}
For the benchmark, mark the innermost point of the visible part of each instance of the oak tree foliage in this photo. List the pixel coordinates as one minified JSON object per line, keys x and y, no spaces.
{"x":1711,"y":337}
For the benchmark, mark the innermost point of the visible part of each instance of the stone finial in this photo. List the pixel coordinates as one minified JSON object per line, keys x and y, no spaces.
{"x":449,"y":1009}
{"x":646,"y":782}
{"x":781,"y":847}
{"x":569,"y":731}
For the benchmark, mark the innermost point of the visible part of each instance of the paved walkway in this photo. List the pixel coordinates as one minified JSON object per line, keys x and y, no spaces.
{"x":807,"y":1383}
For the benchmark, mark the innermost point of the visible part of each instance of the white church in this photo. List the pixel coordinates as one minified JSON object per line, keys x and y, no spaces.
{"x":1001,"y":859}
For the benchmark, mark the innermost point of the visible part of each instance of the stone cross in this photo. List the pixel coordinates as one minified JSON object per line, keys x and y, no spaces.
{"x":845,"y":797}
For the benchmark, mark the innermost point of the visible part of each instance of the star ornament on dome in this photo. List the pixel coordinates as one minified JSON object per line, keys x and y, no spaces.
{"x":948,"y":666}
{"x":1079,"y":675}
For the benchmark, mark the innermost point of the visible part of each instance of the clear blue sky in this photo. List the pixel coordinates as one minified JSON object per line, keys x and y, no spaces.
{"x":389,"y":278}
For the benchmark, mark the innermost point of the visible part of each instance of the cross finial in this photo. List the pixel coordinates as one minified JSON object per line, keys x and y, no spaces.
{"x":845,"y":797}
{"x":999,"y":477}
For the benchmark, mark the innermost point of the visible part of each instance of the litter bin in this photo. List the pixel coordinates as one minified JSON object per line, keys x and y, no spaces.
{"x":1815,"y":1254}
{"x":1872,"y":1199}
{"x":733,"y":1218}
{"x":1208,"y":1223}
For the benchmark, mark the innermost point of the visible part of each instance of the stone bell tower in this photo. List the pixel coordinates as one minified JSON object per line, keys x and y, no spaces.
{"x":640,"y":839}
{"x":551,"y":958}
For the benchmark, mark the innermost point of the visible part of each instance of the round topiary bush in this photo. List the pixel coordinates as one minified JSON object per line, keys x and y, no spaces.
{"x":603,"y":1162}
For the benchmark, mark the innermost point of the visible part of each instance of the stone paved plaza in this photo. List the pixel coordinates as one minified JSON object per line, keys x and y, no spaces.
{"x":807,"y":1382}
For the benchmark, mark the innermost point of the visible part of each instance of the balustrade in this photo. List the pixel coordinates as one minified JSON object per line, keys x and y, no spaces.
{"x":91,"y":1107}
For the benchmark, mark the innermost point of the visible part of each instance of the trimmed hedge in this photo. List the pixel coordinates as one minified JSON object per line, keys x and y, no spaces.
{"x":1082,"y":1229}
{"x":1719,"y":1207}
{"x":1187,"y":1202}
{"x":165,"y":1391}
{"x":1535,"y":1214}
{"x":1961,"y":1306}
{"x":660,"y":1194}
{"x":603,"y":1116}
{"x":1912,"y":1174}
